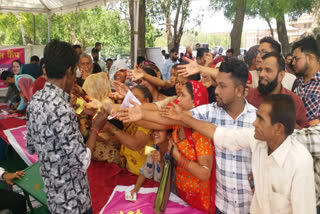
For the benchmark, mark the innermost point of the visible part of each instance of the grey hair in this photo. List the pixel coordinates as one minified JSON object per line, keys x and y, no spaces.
{"x":86,"y":55}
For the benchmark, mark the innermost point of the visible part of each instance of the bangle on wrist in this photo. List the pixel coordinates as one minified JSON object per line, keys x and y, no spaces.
{"x":95,"y":130}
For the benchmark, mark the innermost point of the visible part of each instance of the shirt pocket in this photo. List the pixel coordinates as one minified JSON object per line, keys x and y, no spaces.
{"x":279,"y":203}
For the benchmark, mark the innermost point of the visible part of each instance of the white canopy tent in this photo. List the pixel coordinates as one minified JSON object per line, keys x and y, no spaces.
{"x":64,"y":6}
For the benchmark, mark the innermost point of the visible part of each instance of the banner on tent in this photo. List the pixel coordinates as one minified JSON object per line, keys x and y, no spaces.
{"x":144,"y":204}
{"x":6,"y":58}
{"x":17,"y":139}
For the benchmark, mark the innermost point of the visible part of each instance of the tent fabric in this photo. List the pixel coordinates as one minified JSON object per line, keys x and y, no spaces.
{"x":48,"y":6}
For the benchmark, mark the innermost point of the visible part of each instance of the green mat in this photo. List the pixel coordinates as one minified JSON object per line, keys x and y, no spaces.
{"x":32,"y":183}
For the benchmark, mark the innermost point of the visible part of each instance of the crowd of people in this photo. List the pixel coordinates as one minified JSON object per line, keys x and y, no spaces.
{"x":244,"y":132}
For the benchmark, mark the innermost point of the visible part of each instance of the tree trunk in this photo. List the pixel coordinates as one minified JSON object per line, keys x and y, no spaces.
{"x":236,"y":31}
{"x":179,"y":30}
{"x":282,"y":34}
{"x":141,"y":28}
{"x":270,"y":27}
{"x":23,"y":34}
{"x":168,"y":26}
{"x":72,"y":34}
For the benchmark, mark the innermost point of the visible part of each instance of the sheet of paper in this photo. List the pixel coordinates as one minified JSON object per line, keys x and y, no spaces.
{"x":126,"y":101}
{"x":148,"y":150}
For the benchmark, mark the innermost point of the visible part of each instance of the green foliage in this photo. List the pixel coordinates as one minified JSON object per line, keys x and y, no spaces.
{"x":229,"y":7}
{"x":85,"y":27}
{"x":277,"y":8}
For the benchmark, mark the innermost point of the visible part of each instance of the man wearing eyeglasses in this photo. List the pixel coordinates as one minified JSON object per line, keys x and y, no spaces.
{"x":306,"y":55}
{"x":267,"y":45}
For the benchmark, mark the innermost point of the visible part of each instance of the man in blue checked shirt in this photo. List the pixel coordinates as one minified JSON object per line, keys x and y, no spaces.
{"x":233,"y":169}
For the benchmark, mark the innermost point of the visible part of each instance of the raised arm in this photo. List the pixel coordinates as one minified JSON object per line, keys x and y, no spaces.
{"x":194,"y":68}
{"x":136,"y":113}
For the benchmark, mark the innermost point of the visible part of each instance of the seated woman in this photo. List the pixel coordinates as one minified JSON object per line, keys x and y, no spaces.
{"x":193,"y":152}
{"x":97,"y":87}
{"x":134,"y":138}
{"x":16,"y":67}
{"x":25,"y":86}
{"x":152,"y":168}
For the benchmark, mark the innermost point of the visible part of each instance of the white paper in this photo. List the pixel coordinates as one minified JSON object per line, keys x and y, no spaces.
{"x":126,"y":101}
{"x":155,"y":55}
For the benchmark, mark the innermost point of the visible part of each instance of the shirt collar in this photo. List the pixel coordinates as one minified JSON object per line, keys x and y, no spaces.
{"x":280,"y":154}
{"x":247,"y":107}
{"x":57,"y":90}
{"x":315,"y":77}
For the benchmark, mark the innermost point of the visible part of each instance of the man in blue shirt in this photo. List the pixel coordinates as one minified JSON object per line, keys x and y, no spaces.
{"x":166,"y":67}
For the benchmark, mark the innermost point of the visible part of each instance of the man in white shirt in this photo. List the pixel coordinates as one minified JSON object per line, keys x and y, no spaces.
{"x":282,"y":167}
{"x":267,"y":45}
{"x":10,"y":200}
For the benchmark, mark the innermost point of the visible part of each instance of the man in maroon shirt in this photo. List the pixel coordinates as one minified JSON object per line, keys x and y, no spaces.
{"x":271,"y":75}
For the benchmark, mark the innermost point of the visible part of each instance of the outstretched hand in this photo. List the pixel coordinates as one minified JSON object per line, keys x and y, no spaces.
{"x":189,"y":69}
{"x":136,"y":74}
{"x":173,"y":112}
{"x":100,"y":120}
{"x":120,"y":87}
{"x":128,"y":115}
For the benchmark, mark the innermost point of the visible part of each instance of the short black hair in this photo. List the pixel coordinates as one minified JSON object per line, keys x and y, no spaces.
{"x":140,"y":59}
{"x":307,"y":45}
{"x":167,"y":55}
{"x":94,"y":50}
{"x":145,"y":91}
{"x":280,"y":60}
{"x":34,"y":58}
{"x":5,"y":74}
{"x":283,"y":111}
{"x":163,"y":51}
{"x":58,"y":57}
{"x":42,"y":63}
{"x":76,"y":46}
{"x":17,"y":61}
{"x":190,"y":89}
{"x":109,"y":59}
{"x":230,"y":50}
{"x":149,"y":71}
{"x":97,"y":44}
{"x":238,"y":70}
{"x":288,"y":54}
{"x":275,"y":46}
{"x":173,"y":50}
{"x":96,"y":68}
{"x":202,"y":51}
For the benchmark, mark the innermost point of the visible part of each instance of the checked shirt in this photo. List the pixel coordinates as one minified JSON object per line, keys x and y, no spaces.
{"x":310,"y":95}
{"x":233,"y":190}
{"x":310,"y":137}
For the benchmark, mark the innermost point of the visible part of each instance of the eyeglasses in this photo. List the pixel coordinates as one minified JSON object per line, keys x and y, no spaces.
{"x":295,"y":58}
{"x":262,"y":53}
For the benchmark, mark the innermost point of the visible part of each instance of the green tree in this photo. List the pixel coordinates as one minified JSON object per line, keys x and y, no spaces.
{"x":235,"y":11}
{"x":173,"y":14}
{"x":277,"y":9}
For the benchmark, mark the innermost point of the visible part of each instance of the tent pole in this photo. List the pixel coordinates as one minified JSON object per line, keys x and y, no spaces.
{"x":135,"y":31}
{"x":49,"y":27}
{"x":34,"y":28}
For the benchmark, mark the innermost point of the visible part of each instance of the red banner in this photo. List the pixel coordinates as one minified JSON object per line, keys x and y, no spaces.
{"x":6,"y":58}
